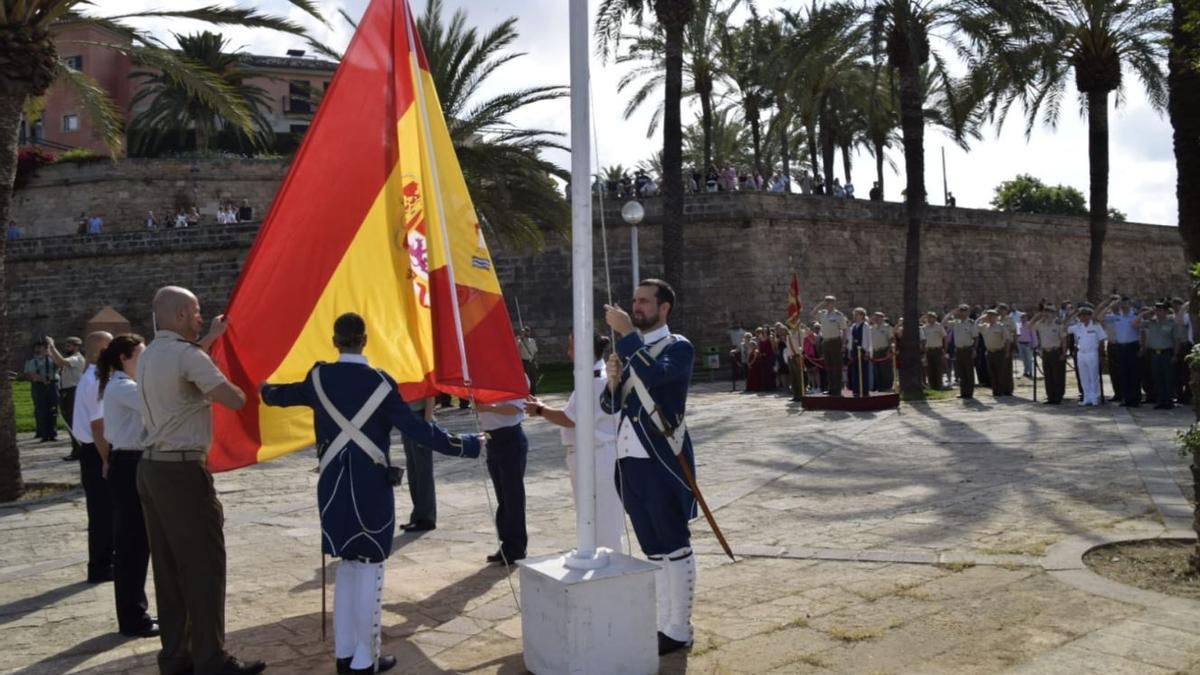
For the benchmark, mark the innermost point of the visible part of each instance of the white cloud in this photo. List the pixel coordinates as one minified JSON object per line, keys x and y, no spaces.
{"x":1142,"y":180}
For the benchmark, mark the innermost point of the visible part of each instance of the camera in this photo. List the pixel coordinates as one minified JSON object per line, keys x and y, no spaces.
{"x":394,"y":475}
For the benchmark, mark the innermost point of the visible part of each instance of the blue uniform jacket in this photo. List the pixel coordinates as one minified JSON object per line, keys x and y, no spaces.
{"x":356,"y":501}
{"x":667,"y":378}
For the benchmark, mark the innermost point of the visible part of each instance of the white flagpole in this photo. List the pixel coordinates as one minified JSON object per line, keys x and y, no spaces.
{"x":585,"y":555}
{"x":423,"y":116}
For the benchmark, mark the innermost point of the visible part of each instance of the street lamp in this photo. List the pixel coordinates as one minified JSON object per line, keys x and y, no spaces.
{"x":633,"y":213}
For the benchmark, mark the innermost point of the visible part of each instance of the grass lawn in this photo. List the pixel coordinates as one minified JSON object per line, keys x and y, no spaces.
{"x":23,"y":403}
{"x":932,"y":395}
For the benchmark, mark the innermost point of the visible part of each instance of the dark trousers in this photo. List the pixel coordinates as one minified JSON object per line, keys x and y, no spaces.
{"x":997,"y":362}
{"x":418,"y":461}
{"x":1131,"y":378}
{"x":1161,"y":364}
{"x":99,"y":512}
{"x":1146,"y":366}
{"x":184,"y":525}
{"x":531,"y":372}
{"x":964,"y":363}
{"x":1055,"y":369}
{"x":860,"y":385}
{"x":131,"y":550}
{"x":1183,"y":375}
{"x":507,"y":450}
{"x":1113,"y":359}
{"x":45,"y":409}
{"x":933,"y":367}
{"x":659,"y":519}
{"x":66,"y":406}
{"x":982,"y":376}
{"x":884,"y":374}
{"x":831,"y":352}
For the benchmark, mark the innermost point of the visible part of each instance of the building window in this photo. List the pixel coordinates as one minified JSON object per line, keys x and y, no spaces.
{"x":70,"y":123}
{"x":39,"y":132}
{"x":299,"y":97}
{"x":74,"y":62}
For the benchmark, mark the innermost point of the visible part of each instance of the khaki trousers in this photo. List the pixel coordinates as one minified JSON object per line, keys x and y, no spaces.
{"x":184,"y":523}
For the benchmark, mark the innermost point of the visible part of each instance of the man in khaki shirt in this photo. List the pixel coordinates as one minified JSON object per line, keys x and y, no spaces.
{"x":882,"y":334}
{"x":933,"y":342}
{"x":1051,"y":334}
{"x":997,"y":337}
{"x":964,"y":332}
{"x":184,"y":520}
{"x":833,"y":341}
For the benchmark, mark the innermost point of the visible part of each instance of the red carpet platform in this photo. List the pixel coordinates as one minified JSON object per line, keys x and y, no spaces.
{"x":876,"y":401}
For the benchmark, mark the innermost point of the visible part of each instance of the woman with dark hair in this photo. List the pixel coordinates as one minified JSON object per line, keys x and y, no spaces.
{"x":117,"y":371}
{"x":610,"y":515}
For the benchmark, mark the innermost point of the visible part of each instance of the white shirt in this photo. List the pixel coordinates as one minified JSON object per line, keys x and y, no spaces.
{"x":628,"y":443}
{"x":606,"y":424}
{"x":491,"y":421}
{"x":72,"y":371}
{"x":1089,"y":337}
{"x":122,"y":413}
{"x":87,"y":406}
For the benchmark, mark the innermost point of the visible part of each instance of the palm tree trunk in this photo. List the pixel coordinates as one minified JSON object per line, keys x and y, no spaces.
{"x":846,"y":162}
{"x":706,"y":121}
{"x":879,"y":165}
{"x":827,"y":146}
{"x":1097,"y":103}
{"x":785,"y":148}
{"x":672,"y":232}
{"x":755,"y":134}
{"x":813,"y":155}
{"x":1183,"y":79}
{"x":11,"y":484}
{"x":913,"y":127}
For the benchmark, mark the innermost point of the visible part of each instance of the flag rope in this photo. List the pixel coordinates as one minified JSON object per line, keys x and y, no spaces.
{"x":423,"y":116}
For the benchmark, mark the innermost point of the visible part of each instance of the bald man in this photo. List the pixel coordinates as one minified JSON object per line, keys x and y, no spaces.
{"x":184,"y":519}
{"x":87,"y":426}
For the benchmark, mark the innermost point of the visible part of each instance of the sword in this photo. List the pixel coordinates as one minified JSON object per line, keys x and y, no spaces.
{"x":712,"y":522}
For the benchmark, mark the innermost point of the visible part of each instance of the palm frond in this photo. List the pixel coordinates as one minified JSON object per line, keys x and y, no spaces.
{"x":221,"y":16}
{"x":97,"y":105}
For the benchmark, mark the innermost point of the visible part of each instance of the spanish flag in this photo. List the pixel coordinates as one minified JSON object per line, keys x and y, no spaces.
{"x":794,"y":304}
{"x":374,"y":217}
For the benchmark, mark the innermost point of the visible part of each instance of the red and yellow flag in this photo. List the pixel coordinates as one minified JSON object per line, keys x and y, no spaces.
{"x":794,"y":304}
{"x":358,"y":226}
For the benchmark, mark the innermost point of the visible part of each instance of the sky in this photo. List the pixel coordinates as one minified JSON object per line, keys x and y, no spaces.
{"x":1142,"y":179}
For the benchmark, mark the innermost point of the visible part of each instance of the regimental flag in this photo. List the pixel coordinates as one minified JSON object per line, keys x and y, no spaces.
{"x":794,"y":304}
{"x":358,"y":226}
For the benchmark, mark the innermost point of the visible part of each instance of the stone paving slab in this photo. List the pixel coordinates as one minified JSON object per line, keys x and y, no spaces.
{"x":911,"y":541}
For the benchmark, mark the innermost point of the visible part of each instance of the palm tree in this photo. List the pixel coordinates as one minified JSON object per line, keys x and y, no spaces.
{"x":743,"y":57}
{"x":1183,"y":80}
{"x":672,"y":18}
{"x":982,"y":31}
{"x":702,"y":36}
{"x":509,"y":181}
{"x":1092,"y":41}
{"x":725,"y":144}
{"x":175,"y":111}
{"x":29,"y":64}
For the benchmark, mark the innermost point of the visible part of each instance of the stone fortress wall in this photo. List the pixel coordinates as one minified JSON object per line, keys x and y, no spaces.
{"x":739,"y":254}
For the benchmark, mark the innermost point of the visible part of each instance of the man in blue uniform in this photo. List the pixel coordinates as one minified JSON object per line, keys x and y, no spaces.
{"x":355,"y":407}
{"x":652,"y":370}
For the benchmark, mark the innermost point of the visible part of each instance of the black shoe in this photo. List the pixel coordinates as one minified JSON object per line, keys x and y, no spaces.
{"x":498,"y":558}
{"x":235,"y":666}
{"x":71,"y":458}
{"x":419,"y":526}
{"x":1165,"y":406}
{"x":147,"y":629}
{"x":385,"y":663}
{"x":666,"y":645}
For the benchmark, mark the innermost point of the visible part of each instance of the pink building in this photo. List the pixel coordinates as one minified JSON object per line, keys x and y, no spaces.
{"x":291,"y":81}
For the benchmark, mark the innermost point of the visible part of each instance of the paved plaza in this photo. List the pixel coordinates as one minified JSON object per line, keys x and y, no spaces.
{"x":941,"y":538}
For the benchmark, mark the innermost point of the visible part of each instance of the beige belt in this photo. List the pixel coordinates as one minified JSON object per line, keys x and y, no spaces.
{"x":174,"y":455}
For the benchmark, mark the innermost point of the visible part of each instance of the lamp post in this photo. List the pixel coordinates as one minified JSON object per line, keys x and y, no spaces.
{"x":633,"y":213}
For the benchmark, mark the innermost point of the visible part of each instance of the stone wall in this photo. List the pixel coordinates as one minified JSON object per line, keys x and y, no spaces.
{"x":740,"y":251}
{"x":121,"y":193}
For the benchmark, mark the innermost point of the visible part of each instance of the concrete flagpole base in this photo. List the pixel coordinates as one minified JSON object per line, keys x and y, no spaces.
{"x":588,"y":621}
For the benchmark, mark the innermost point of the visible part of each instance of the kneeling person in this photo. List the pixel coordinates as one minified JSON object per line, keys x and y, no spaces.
{"x":355,"y":407}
